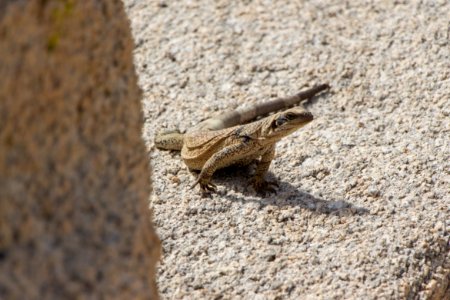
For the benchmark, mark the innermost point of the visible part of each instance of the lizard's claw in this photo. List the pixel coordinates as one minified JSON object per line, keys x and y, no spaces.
{"x":205,"y":185}
{"x":262,"y":186}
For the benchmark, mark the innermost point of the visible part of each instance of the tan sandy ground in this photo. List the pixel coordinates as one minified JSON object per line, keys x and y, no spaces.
{"x":363,"y":205}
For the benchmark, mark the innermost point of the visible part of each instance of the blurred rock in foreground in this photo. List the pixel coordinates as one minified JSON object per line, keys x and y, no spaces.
{"x":74,"y":176}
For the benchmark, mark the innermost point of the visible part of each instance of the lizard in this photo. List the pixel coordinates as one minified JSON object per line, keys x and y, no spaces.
{"x":219,"y":142}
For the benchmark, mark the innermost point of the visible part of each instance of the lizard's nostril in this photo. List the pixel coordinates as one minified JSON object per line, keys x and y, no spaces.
{"x":308,"y":116}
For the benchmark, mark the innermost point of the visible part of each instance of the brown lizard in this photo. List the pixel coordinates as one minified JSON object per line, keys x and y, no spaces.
{"x":226,"y":140}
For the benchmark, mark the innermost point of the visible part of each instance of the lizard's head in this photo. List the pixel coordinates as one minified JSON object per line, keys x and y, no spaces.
{"x":284,"y":123}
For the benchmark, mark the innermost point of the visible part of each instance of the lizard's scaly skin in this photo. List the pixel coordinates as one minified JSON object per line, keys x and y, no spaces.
{"x":208,"y":149}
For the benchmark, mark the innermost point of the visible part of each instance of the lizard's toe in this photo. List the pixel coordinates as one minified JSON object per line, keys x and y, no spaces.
{"x":205,"y":185}
{"x":266,"y":190}
{"x":273,"y":183}
{"x":208,"y":187}
{"x":263,"y":187}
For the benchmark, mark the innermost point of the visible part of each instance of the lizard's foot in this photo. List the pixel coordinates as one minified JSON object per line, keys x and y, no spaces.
{"x":263,"y":186}
{"x":205,"y":185}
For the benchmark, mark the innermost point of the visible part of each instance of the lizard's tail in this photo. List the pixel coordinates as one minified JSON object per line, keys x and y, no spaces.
{"x":169,"y":140}
{"x":246,"y":114}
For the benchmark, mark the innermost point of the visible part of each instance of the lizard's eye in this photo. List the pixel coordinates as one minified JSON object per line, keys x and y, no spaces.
{"x":279,"y":121}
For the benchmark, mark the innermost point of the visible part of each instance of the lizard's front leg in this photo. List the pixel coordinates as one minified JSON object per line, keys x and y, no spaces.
{"x":219,"y":160}
{"x":260,"y":184}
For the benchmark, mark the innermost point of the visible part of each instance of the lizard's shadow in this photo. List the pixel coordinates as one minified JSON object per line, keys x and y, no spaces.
{"x":287,"y":195}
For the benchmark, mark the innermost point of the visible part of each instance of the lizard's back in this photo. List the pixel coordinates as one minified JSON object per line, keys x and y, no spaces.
{"x":199,"y":146}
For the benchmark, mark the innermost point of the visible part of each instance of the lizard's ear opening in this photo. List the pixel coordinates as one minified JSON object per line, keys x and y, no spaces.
{"x":274,"y":125}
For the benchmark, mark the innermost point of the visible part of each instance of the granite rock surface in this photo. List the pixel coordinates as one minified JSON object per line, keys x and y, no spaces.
{"x":363,"y":206}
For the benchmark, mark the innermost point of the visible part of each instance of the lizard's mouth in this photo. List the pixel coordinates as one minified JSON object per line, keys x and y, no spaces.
{"x":300,"y":120}
{"x":305,"y":117}
{"x":293,"y":123}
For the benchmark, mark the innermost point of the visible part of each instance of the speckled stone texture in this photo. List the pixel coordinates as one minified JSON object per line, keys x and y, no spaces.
{"x":363,"y":207}
{"x":74,"y":174}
